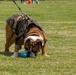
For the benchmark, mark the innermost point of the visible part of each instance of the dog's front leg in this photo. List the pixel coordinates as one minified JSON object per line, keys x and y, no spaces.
{"x":44,"y":50}
{"x":17,"y":48}
{"x":18,"y":43}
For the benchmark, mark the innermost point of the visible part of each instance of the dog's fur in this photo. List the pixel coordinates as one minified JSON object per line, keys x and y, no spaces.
{"x":32,"y":31}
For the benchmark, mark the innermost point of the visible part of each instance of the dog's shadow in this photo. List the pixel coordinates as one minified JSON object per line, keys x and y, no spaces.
{"x":8,"y":54}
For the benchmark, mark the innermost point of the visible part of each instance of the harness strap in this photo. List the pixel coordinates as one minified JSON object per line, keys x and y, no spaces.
{"x":16,"y":20}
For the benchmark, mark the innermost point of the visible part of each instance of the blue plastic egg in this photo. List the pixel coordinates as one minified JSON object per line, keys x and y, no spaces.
{"x":23,"y":54}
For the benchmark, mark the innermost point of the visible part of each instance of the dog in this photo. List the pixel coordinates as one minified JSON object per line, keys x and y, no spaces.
{"x":23,"y":30}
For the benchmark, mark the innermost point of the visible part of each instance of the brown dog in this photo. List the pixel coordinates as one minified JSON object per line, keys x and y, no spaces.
{"x":22,"y":30}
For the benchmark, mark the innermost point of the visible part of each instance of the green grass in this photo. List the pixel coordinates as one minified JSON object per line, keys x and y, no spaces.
{"x":58,"y":18}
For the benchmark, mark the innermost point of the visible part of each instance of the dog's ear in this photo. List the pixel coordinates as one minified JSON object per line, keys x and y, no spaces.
{"x":29,"y":42}
{"x":39,"y":43}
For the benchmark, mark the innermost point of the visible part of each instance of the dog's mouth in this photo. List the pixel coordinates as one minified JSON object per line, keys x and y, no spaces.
{"x":33,"y":43}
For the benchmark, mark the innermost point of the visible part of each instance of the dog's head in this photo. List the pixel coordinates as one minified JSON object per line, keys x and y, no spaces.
{"x":34,"y":43}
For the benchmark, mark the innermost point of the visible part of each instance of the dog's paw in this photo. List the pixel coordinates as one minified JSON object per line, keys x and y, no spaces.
{"x":7,"y":52}
{"x":46,"y":55}
{"x":15,"y":54}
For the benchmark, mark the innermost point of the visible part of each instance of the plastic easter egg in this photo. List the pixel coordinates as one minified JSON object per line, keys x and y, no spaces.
{"x":23,"y":54}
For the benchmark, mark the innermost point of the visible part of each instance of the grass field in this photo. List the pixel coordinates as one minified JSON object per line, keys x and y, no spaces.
{"x":58,"y":18}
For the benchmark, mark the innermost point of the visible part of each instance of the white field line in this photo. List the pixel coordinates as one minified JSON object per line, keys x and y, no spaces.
{"x":2,"y":21}
{"x":58,"y":22}
{"x":71,"y":22}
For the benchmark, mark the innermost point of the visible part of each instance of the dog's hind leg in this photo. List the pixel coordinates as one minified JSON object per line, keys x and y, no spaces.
{"x":9,"y":35}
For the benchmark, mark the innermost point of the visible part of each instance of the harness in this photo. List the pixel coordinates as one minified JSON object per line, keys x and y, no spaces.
{"x":20,"y":24}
